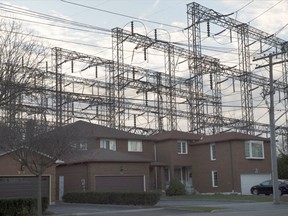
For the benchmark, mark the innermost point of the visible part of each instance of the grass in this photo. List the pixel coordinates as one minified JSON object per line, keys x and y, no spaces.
{"x":232,"y":197}
{"x":219,"y":197}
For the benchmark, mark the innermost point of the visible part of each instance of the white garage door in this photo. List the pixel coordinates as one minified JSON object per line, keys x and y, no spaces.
{"x":248,"y":180}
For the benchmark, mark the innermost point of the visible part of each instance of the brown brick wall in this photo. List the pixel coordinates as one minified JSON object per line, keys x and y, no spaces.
{"x":10,"y":167}
{"x":74,"y":173}
{"x":230,"y":163}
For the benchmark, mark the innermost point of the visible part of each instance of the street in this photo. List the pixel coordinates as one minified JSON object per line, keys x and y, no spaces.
{"x":170,"y":208}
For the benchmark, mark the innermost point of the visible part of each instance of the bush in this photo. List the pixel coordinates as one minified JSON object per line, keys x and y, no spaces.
{"x":21,"y":206}
{"x":147,"y":199}
{"x":175,"y":188}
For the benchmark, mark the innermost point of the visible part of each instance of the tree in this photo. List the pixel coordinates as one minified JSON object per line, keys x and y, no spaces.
{"x":21,"y":56}
{"x":36,"y":148}
{"x":283,"y":166}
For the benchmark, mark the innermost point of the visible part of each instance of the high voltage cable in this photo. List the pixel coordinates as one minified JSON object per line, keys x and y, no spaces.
{"x":120,"y":14}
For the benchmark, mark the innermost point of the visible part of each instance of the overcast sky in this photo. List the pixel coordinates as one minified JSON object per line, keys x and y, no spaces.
{"x":95,"y":18}
{"x":268,"y":15}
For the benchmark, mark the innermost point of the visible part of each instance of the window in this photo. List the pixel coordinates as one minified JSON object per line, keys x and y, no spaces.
{"x":254,"y":150}
{"x":108,"y":144}
{"x":182,"y":147}
{"x":213,"y":151}
{"x":135,"y":146}
{"x":214,"y":178}
{"x":79,"y":144}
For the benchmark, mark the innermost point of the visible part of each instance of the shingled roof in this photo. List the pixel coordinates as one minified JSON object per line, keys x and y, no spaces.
{"x":101,"y":155}
{"x":175,"y":135}
{"x":87,"y":129}
{"x":229,"y":136}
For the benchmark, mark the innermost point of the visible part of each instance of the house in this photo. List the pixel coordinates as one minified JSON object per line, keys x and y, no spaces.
{"x":230,"y":162}
{"x":227,"y":162}
{"x":105,"y":159}
{"x":103,"y":170}
{"x":17,"y":182}
{"x":173,"y":151}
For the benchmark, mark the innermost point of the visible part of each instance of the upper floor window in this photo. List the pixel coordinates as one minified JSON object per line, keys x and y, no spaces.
{"x":182,"y":147}
{"x":79,"y":144}
{"x":108,"y":144}
{"x":135,"y":146}
{"x":213,"y":151}
{"x":214,"y":178}
{"x":254,"y":150}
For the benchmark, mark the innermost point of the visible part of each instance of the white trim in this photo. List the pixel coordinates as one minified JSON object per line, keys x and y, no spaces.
{"x":180,"y":142}
{"x":250,"y":151}
{"x":213,"y":178}
{"x":144,"y":182}
{"x":211,"y":151}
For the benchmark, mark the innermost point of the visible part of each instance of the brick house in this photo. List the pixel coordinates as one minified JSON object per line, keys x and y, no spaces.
{"x":173,"y":151}
{"x":106,"y":159}
{"x":18,"y":182}
{"x":228,"y":162}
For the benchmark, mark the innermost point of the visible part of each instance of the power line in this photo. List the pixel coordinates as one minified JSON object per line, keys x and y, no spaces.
{"x":265,"y":11}
{"x":120,"y":14}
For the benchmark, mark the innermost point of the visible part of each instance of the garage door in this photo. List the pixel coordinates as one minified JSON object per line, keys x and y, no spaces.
{"x":119,"y":184}
{"x":24,"y":186}
{"x":248,"y":180}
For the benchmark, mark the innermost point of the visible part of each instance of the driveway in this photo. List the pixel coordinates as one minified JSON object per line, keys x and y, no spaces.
{"x":169,"y":207}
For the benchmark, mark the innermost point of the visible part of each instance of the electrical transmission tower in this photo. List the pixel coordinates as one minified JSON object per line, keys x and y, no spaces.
{"x":122,"y":94}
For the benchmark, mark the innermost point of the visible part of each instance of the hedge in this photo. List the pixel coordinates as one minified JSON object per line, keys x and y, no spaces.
{"x":21,"y":206}
{"x":145,"y":199}
{"x":175,"y":188}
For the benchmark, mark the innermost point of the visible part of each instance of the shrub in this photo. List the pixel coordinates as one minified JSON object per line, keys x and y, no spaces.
{"x":147,"y":199}
{"x":21,"y":206}
{"x":175,"y":188}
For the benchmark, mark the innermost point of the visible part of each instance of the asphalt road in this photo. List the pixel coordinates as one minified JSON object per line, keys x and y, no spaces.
{"x":173,"y":208}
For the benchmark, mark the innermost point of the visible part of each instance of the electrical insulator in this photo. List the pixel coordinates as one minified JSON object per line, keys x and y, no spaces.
{"x":96,"y":71}
{"x":146,"y":100}
{"x":145,"y":54}
{"x":133,"y":72}
{"x":155,"y":34}
{"x":208,"y":29}
{"x":134,"y":120}
{"x":211,"y":81}
{"x":72,"y":67}
{"x":132,"y":28}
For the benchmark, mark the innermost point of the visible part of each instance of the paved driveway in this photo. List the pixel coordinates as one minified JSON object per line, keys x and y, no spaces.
{"x":170,"y":208}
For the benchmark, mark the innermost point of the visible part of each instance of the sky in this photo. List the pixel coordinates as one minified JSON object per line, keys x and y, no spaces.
{"x":85,"y":26}
{"x":268,"y":15}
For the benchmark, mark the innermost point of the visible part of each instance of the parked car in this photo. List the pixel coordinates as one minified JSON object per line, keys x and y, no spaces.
{"x":266,"y":188}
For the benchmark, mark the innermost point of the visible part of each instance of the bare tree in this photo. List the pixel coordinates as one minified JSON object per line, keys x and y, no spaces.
{"x":20,"y":59}
{"x":36,"y":148}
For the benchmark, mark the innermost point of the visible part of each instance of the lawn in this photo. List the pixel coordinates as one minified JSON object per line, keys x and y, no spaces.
{"x":232,"y":197}
{"x":220,"y":197}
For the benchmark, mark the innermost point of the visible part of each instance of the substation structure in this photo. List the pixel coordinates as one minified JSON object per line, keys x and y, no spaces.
{"x":126,"y":96}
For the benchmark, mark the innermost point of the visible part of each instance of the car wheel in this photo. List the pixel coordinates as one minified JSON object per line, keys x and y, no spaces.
{"x":255,"y":192}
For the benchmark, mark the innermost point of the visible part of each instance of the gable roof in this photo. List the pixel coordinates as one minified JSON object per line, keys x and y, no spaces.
{"x":175,"y":135}
{"x":87,"y":129}
{"x":229,"y":136}
{"x":101,"y":155}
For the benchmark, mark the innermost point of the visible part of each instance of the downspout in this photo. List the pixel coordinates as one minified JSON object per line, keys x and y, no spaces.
{"x":155,"y":168}
{"x":232,"y":170}
{"x":87,"y":186}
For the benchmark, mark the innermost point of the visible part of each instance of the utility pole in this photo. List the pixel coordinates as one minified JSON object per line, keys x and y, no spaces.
{"x":272,"y":125}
